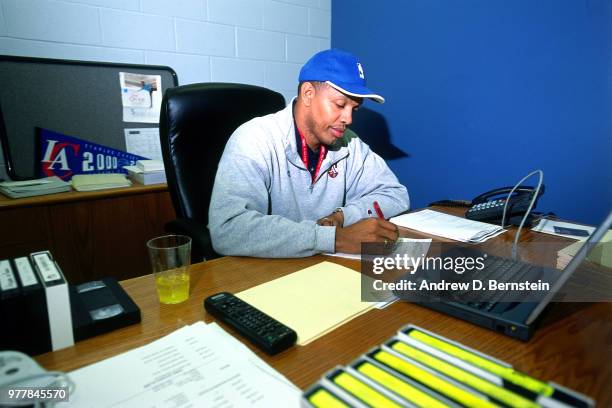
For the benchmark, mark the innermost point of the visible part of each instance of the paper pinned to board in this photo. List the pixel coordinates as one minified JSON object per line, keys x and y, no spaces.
{"x":143,"y":142}
{"x":141,"y":96}
{"x":313,"y":301}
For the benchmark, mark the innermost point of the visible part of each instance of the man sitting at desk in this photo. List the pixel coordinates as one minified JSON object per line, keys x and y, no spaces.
{"x":298,"y":182}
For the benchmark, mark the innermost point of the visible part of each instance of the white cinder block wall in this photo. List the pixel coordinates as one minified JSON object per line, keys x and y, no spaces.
{"x":259,"y":42}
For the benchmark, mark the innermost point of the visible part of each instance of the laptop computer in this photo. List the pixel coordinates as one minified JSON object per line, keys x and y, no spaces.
{"x":503,"y":311}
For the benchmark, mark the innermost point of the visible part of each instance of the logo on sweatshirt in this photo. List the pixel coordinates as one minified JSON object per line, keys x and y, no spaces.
{"x":333,"y":171}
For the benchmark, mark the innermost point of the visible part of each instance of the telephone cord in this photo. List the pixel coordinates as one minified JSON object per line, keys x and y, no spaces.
{"x":533,"y":200}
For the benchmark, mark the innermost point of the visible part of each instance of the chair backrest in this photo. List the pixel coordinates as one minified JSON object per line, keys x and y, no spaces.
{"x":195,"y":123}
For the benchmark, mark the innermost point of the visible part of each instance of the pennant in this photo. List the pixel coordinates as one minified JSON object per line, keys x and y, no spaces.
{"x":64,"y":156}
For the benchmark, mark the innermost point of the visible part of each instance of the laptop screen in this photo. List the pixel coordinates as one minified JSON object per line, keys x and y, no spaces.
{"x":599,"y":270}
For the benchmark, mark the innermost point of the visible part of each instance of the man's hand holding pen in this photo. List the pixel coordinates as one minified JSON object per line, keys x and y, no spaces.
{"x":349,"y":239}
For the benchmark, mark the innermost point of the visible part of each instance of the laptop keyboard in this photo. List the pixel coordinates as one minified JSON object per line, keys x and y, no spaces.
{"x":502,"y":270}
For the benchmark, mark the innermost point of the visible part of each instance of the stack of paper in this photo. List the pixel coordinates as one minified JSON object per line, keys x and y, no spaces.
{"x":448,"y":226}
{"x":198,"y":365}
{"x":147,"y":172}
{"x":150,"y":166}
{"x":29,"y":188}
{"x":410,"y":246}
{"x":313,"y":301}
{"x":91,"y":182}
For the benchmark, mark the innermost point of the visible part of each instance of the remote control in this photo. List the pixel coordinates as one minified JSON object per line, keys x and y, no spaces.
{"x":268,"y":334}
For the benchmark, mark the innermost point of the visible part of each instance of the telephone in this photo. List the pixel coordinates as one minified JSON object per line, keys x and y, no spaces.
{"x":19,"y":372}
{"x":489,"y":206}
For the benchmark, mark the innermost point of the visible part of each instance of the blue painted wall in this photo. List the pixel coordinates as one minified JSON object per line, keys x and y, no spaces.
{"x":481,"y":92}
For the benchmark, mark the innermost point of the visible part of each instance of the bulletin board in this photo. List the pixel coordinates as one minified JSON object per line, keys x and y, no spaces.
{"x":82,"y":99}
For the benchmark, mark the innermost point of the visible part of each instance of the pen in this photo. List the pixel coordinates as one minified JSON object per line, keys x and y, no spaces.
{"x":378,"y":210}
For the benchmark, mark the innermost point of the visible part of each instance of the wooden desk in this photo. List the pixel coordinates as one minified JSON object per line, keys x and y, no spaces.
{"x":91,"y":234}
{"x":571,"y":347}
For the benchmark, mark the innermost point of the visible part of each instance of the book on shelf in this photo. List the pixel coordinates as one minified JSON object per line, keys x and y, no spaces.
{"x":149,"y":166}
{"x":155,"y":177}
{"x":92,"y":182}
{"x":147,"y":172}
{"x":36,"y":187}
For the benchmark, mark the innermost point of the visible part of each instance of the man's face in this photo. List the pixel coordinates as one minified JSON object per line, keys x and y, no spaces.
{"x":330,"y":113}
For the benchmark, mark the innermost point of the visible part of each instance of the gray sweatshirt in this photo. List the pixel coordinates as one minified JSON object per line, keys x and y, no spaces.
{"x":265,"y":204}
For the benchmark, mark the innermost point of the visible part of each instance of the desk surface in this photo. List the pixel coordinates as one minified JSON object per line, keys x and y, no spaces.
{"x":571,"y":347}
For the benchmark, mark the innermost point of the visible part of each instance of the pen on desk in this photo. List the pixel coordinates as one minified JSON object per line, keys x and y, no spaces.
{"x":378,"y":210}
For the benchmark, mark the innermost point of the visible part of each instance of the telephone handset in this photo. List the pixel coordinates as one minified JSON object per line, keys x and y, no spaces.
{"x":489,"y":206}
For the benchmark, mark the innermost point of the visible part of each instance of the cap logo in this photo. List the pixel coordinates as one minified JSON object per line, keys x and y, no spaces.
{"x":361,"y":75}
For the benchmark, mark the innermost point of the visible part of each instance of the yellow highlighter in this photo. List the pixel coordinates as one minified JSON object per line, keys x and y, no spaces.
{"x":323,"y":398}
{"x":398,"y":386}
{"x":361,"y":391}
{"x":506,"y":373}
{"x":496,"y":392}
{"x":429,"y":380}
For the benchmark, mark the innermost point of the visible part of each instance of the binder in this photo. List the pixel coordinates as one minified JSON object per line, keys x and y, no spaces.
{"x":34,"y":326}
{"x":8,"y":282}
{"x":41,"y":312}
{"x":10,"y":310}
{"x":57,"y":297}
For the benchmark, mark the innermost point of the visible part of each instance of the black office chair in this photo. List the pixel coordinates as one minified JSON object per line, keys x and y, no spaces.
{"x":195,"y":123}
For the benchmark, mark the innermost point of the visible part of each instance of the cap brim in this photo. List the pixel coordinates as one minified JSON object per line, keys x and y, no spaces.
{"x":357,"y":91}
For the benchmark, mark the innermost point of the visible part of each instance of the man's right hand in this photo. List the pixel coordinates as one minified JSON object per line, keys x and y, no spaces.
{"x":349,"y":239}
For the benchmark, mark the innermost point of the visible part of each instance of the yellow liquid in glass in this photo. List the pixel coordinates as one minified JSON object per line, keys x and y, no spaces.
{"x":173,"y":287}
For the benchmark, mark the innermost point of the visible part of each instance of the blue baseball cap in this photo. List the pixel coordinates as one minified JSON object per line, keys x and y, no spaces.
{"x":340,"y":70}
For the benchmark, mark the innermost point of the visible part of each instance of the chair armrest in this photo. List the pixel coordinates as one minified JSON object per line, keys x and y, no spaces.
{"x":201,"y":245}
